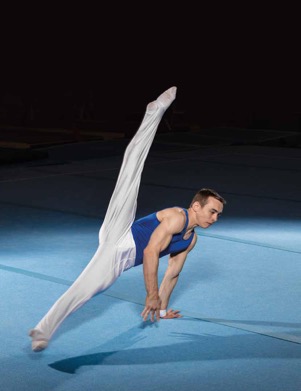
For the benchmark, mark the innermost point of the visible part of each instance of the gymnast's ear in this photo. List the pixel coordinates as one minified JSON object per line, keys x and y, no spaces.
{"x":196,"y":206}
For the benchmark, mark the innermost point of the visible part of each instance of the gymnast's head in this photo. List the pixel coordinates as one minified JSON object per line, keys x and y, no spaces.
{"x":207,"y":205}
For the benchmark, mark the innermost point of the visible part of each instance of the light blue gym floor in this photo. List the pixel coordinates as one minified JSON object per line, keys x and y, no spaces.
{"x":239,"y":292}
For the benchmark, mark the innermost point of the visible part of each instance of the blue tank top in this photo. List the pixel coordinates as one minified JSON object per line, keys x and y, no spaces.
{"x":142,"y":230}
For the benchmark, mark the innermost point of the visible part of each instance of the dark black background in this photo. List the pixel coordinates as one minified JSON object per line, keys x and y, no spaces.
{"x":236,"y":67}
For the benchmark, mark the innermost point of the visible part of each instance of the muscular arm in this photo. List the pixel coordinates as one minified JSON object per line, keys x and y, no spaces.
{"x":160,"y":239}
{"x":171,"y":276}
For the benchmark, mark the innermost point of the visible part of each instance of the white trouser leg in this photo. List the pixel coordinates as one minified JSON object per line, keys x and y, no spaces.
{"x":107,"y":263}
{"x":122,"y":207}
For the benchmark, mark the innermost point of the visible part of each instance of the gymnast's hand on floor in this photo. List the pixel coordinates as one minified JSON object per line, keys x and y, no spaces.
{"x":171,"y":314}
{"x":152,"y":309}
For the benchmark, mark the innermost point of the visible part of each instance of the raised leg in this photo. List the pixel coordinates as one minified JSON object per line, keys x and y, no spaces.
{"x":121,"y":211}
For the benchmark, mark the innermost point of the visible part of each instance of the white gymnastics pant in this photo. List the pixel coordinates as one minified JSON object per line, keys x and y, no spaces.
{"x":116,"y":250}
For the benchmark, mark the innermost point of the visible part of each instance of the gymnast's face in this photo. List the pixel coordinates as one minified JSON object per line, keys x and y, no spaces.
{"x":209,"y":213}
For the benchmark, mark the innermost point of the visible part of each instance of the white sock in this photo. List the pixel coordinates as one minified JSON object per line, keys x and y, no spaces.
{"x":164,"y":100}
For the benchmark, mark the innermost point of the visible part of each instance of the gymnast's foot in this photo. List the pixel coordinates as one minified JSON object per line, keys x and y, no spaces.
{"x":164,"y":100}
{"x":37,"y":343}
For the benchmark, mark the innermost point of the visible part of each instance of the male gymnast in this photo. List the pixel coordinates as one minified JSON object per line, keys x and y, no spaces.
{"x":125,"y":243}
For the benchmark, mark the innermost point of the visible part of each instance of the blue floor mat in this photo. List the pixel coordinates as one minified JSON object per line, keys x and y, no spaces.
{"x":238,"y":292}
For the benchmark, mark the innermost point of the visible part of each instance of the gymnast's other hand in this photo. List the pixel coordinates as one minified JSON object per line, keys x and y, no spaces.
{"x":171,"y":314}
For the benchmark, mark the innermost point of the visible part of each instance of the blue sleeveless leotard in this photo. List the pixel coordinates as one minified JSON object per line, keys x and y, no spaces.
{"x":142,"y":230}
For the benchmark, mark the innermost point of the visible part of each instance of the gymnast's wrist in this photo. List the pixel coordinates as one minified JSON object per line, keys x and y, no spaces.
{"x":162,"y":313}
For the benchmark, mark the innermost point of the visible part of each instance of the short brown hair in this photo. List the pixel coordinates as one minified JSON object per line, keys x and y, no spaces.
{"x":202,"y":196}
